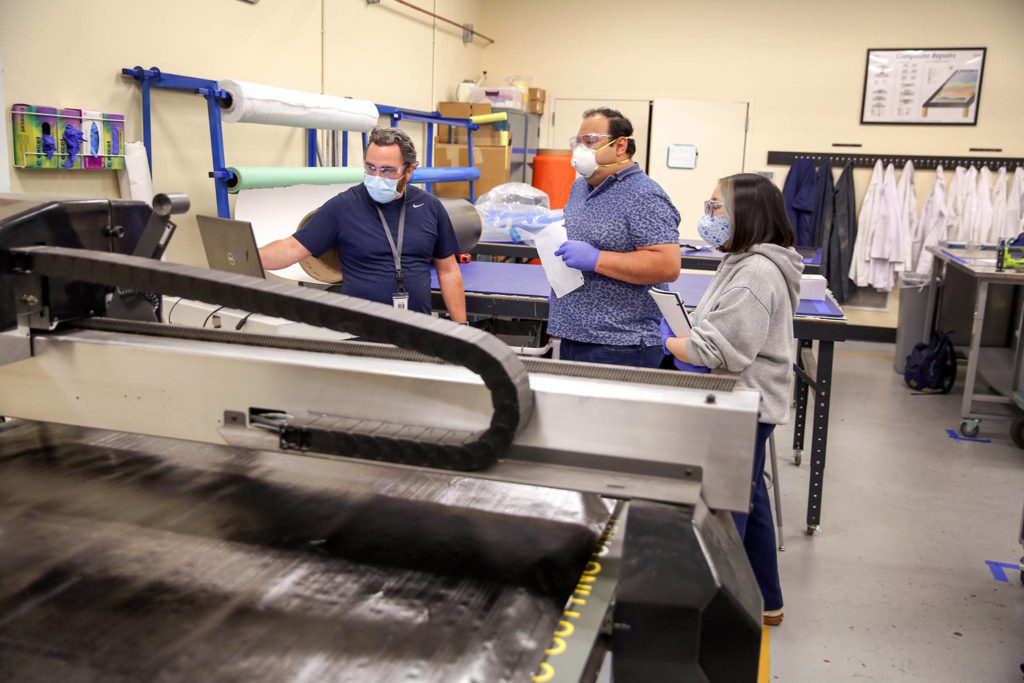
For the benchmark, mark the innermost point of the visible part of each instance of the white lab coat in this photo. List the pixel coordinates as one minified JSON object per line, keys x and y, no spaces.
{"x":861,"y":259}
{"x":1015,"y":203}
{"x":980,"y":218}
{"x":886,"y":244}
{"x":960,"y":189}
{"x":968,"y":192}
{"x":907,"y":196}
{"x":931,"y":226}
{"x":998,"y":228}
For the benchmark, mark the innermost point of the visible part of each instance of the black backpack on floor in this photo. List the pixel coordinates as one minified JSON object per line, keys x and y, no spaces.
{"x":931,"y":367}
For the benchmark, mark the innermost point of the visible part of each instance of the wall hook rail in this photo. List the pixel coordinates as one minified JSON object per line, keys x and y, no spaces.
{"x":920,"y":161}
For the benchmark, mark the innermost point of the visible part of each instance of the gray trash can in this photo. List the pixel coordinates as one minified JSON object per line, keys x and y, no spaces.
{"x":913,"y":288}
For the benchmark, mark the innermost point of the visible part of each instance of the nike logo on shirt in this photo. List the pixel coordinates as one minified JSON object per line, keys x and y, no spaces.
{"x":416,"y":206}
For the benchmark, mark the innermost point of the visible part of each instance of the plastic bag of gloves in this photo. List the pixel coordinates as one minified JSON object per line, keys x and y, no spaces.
{"x":515,"y":212}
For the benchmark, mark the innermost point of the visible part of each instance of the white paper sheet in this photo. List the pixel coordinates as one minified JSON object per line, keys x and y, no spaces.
{"x":561,"y":277}
{"x":275,"y":213}
{"x":671,"y":306}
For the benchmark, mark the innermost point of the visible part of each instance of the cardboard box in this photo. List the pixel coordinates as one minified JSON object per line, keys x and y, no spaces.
{"x":537,"y":94}
{"x":29,"y":124}
{"x":485,"y":135}
{"x":70,"y":118}
{"x":535,"y":106}
{"x":493,"y":162}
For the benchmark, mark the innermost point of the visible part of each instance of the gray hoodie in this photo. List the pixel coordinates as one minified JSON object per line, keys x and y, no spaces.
{"x":744,"y":323}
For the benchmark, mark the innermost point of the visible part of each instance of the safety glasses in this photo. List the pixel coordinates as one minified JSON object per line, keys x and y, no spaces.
{"x":385,"y":171}
{"x":712,"y":205}
{"x":590,"y":140}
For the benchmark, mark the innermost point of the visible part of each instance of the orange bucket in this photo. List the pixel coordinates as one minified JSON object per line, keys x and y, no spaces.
{"x":553,"y":173}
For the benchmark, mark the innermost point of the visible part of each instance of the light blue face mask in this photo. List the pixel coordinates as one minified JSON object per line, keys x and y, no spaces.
{"x":715,"y":230}
{"x":382,"y":190}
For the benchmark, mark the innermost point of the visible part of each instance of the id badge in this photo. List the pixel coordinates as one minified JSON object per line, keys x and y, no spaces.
{"x":400,"y":300}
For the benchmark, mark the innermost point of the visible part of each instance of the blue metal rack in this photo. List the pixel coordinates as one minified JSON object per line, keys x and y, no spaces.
{"x":154,"y":78}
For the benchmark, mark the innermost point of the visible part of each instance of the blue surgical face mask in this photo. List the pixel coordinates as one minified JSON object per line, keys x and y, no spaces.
{"x":383,"y":190}
{"x":715,"y":230}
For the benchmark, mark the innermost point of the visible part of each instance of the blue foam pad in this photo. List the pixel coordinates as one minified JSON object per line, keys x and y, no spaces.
{"x":435,"y":174}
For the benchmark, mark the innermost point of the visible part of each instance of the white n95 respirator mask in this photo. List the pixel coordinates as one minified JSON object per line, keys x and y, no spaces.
{"x":584,"y":159}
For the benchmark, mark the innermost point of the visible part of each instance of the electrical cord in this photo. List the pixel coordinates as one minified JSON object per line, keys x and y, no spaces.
{"x":171,"y":312}
{"x":271,"y":421}
{"x":212,"y":313}
{"x":242,"y":322}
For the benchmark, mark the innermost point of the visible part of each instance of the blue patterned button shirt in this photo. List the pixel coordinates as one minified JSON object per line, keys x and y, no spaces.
{"x":626,"y":211}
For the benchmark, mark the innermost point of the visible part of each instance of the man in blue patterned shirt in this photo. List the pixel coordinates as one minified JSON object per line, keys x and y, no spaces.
{"x":623,"y":233}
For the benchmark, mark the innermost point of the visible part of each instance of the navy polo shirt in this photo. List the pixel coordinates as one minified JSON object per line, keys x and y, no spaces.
{"x":349,"y":222}
{"x":627,"y":210}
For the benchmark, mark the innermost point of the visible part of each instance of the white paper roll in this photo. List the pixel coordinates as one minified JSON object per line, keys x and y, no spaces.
{"x":255,"y":103}
{"x":275,"y":213}
{"x":134,"y":179}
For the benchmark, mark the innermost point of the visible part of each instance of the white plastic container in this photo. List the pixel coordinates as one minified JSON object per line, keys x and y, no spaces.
{"x":506,"y":96}
{"x":813,"y":287}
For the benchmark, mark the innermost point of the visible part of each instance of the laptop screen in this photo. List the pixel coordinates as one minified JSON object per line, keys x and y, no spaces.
{"x":230,"y":245}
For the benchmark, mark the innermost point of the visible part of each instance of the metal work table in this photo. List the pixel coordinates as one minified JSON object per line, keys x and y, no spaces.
{"x":690,"y":258}
{"x":520,"y":291}
{"x":999,"y":367}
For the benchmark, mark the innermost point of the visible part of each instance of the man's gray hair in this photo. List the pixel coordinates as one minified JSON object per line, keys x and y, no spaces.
{"x":383,"y":137}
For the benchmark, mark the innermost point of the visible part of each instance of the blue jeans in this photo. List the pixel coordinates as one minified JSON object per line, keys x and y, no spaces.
{"x":757,"y":529}
{"x":636,"y":355}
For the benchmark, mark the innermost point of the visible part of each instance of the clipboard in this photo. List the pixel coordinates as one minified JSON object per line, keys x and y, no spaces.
{"x":671,"y":306}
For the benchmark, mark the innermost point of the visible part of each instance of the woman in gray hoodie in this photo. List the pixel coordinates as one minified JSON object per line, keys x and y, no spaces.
{"x":744,"y":325}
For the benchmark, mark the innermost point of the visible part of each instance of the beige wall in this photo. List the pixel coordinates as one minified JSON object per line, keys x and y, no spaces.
{"x":384,"y":53}
{"x":799,"y":63}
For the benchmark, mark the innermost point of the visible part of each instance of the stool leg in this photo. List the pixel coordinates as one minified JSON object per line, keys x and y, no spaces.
{"x":775,"y":488}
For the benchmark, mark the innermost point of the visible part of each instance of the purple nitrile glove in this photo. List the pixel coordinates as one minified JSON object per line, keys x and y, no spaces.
{"x":666,"y":334}
{"x":49,"y":146}
{"x":73,"y":138}
{"x":690,"y":367}
{"x":579,"y":255}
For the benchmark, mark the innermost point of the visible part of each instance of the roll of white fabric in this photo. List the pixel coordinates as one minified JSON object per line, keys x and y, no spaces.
{"x":134,"y":180}
{"x":255,"y":103}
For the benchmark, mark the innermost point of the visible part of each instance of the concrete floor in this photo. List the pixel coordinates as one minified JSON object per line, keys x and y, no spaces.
{"x":896,"y":586}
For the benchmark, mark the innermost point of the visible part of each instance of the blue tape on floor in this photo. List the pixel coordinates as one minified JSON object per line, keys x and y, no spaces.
{"x":954,"y":435}
{"x":998,"y":569}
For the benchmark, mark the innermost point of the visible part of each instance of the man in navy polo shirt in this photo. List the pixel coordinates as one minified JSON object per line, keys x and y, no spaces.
{"x":388,"y":234}
{"x":624,"y":235}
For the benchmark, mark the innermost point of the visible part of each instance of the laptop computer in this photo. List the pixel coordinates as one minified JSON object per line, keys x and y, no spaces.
{"x":230,"y":245}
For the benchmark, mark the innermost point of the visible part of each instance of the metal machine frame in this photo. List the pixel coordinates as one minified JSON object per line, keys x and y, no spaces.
{"x":686,"y":606}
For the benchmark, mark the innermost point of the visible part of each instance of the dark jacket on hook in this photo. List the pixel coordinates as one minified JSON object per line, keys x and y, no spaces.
{"x":840,"y":236}
{"x":798,"y":192}
{"x":824,"y":203}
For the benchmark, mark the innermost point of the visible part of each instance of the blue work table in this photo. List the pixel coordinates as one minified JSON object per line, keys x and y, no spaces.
{"x":690,"y":257}
{"x":520,"y":291}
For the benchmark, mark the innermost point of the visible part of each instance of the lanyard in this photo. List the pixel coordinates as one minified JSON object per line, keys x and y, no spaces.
{"x":396,"y":251}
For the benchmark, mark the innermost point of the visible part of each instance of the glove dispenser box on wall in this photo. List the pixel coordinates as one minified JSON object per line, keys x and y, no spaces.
{"x":47,"y":137}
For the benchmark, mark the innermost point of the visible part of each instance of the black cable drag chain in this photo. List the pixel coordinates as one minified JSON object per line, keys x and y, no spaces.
{"x":497,"y":365}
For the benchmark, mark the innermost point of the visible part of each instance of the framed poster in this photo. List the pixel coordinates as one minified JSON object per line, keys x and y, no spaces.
{"x":937,"y":86}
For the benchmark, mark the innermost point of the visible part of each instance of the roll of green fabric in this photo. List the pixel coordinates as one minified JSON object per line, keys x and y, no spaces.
{"x":252,"y":177}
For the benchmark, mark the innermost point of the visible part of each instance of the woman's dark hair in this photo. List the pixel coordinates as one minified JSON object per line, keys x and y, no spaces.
{"x":757,"y":212}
